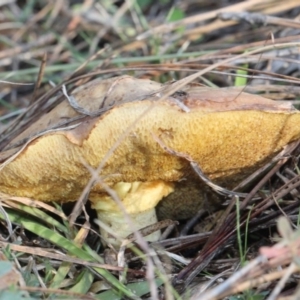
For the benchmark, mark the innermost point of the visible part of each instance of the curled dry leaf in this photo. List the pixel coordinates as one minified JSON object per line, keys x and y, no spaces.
{"x":228,"y":133}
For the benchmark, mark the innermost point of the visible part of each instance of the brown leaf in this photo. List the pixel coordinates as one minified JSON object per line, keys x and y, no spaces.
{"x":92,"y":96}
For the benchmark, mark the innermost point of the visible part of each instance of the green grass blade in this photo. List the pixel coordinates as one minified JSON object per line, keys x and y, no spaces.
{"x":33,"y":211}
{"x":85,"y":280}
{"x":66,"y":244}
{"x":138,"y":288}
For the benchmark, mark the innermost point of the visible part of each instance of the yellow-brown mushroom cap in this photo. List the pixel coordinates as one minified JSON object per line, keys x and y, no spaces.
{"x":223,"y":131}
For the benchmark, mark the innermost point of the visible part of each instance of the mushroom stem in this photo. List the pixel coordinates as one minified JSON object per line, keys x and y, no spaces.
{"x":138,"y":202}
{"x":121,"y":228}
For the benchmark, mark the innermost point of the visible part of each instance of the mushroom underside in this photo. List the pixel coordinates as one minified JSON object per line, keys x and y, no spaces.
{"x":137,"y":143}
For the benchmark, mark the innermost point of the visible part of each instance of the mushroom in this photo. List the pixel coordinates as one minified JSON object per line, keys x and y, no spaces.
{"x":227,"y":133}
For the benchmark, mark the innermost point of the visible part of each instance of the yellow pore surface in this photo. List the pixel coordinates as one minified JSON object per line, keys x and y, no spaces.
{"x":124,"y":141}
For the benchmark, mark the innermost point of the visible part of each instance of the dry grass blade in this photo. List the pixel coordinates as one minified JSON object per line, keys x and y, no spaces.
{"x":255,"y":273}
{"x":259,"y":19}
{"x":184,"y":51}
{"x":62,"y":257}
